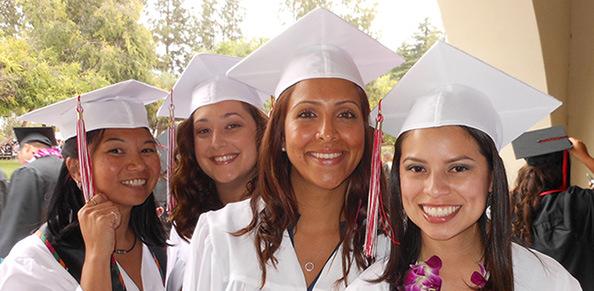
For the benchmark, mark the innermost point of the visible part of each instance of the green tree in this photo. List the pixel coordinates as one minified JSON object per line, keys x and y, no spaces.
{"x":360,"y":13}
{"x":175,"y":32}
{"x":10,"y":17}
{"x":232,"y":17}
{"x":103,"y":36}
{"x":207,"y":25}
{"x":31,"y":79}
{"x":422,"y":40}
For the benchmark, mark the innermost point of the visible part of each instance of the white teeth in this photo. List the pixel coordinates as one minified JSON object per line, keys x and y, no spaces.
{"x":326,"y":156}
{"x":440,"y":211}
{"x":222,"y":159}
{"x":134,"y":182}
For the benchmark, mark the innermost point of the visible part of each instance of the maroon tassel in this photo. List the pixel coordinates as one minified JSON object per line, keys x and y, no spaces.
{"x":84,"y":161}
{"x":375,"y":207}
{"x":170,"y":155}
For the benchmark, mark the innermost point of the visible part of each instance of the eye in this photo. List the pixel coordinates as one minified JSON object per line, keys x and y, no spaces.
{"x":307,"y":114}
{"x":415,"y":168}
{"x":115,"y":151}
{"x":347,"y":114}
{"x":202,"y":131}
{"x":233,"y":125}
{"x":149,"y":150}
{"x":459,"y":168}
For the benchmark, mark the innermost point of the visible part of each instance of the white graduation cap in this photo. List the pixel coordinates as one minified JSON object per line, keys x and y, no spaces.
{"x":449,"y":87}
{"x":319,"y":45}
{"x":119,"y":105}
{"x":203,"y":82}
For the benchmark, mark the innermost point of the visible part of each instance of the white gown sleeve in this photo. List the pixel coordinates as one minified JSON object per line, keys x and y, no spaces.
{"x":372,"y":273}
{"x":31,"y":267}
{"x":204,"y":270}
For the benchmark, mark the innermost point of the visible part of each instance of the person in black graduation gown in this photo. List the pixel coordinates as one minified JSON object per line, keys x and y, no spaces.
{"x":550,"y":216}
{"x":30,"y":186}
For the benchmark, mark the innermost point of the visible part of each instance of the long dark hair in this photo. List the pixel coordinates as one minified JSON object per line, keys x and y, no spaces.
{"x":67,"y":200}
{"x":495,"y":234}
{"x":542,"y":173}
{"x":281,"y":211}
{"x":194,"y":191}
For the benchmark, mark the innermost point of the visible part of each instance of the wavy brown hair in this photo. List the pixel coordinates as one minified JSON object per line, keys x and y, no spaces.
{"x":542,"y":173}
{"x":194,"y":191}
{"x":280,"y":204}
{"x":495,"y":234}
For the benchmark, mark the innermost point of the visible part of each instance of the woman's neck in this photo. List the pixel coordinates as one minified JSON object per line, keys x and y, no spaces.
{"x":123,"y":233}
{"x":319,"y":209}
{"x":233,"y":191}
{"x":460,"y":255}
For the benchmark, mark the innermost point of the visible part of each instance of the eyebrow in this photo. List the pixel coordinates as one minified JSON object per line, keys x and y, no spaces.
{"x":454,"y":159}
{"x":317,"y":102}
{"x":226,"y":115}
{"x":117,"y":139}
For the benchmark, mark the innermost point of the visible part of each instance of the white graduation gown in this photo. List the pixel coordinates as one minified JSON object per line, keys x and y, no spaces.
{"x":221,"y":261}
{"x":31,"y":267}
{"x":533,"y":271}
{"x":177,"y":256}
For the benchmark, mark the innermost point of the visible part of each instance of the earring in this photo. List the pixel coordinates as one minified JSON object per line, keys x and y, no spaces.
{"x":283,"y":149}
{"x":78,"y":184}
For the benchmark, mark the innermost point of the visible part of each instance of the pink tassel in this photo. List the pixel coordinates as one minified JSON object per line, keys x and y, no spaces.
{"x":84,"y":161}
{"x":170,"y":155}
{"x":375,"y":204}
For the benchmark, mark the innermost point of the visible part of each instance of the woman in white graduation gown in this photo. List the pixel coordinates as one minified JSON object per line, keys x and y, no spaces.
{"x":217,"y":148}
{"x":451,"y":114}
{"x":114,"y":241}
{"x":303,"y":228}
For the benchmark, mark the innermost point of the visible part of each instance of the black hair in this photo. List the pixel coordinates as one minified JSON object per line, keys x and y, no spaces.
{"x":495,"y":234}
{"x":67,"y":200}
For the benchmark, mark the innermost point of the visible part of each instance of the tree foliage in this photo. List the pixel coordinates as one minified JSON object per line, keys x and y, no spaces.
{"x":174,"y":29}
{"x":360,"y":13}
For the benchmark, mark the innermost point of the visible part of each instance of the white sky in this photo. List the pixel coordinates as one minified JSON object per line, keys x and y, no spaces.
{"x":395,"y":20}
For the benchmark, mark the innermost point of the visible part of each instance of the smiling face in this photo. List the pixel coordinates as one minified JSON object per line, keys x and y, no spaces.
{"x":444,"y":181}
{"x":126,"y":165}
{"x":324,"y":132}
{"x":225,"y":142}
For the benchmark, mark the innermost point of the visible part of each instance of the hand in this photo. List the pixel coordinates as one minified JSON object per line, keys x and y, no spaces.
{"x":98,"y":219}
{"x":579,"y":149}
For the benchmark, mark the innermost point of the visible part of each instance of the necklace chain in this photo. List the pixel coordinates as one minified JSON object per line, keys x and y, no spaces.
{"x":124,"y":251}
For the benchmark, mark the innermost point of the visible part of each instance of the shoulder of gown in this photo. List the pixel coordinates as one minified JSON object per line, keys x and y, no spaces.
{"x":208,"y":260}
{"x":31,"y":267}
{"x":536,"y":271}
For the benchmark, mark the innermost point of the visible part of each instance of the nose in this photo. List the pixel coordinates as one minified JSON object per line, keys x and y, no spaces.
{"x":327,"y":131}
{"x":136,"y":162}
{"x":218,"y":139}
{"x":436,"y":184}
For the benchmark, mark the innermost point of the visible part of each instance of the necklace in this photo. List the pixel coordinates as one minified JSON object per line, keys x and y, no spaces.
{"x":124,"y":251}
{"x":309,"y":266}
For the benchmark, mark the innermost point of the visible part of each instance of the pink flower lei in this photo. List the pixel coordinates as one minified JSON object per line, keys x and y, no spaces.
{"x":424,"y":276}
{"x":54,"y":151}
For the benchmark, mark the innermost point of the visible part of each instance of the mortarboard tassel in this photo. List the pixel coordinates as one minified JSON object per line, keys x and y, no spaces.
{"x":84,"y":161}
{"x":170,"y":154}
{"x":375,"y":205}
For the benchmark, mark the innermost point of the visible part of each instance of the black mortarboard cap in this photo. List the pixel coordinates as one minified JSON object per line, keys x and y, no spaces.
{"x":43,"y":135}
{"x":541,"y":142}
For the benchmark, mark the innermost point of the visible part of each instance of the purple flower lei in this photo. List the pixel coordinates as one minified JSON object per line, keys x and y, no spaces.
{"x":424,"y":276}
{"x":48,"y":152}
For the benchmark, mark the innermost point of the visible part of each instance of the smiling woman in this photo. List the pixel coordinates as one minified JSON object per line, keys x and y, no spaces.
{"x":451,"y":113}
{"x":303,"y":227}
{"x":113,"y":241}
{"x":217,"y":148}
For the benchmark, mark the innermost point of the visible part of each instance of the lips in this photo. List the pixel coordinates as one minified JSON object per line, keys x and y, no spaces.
{"x":441,"y":213}
{"x":134,"y":182}
{"x":224,"y":159}
{"x":327,"y":158}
